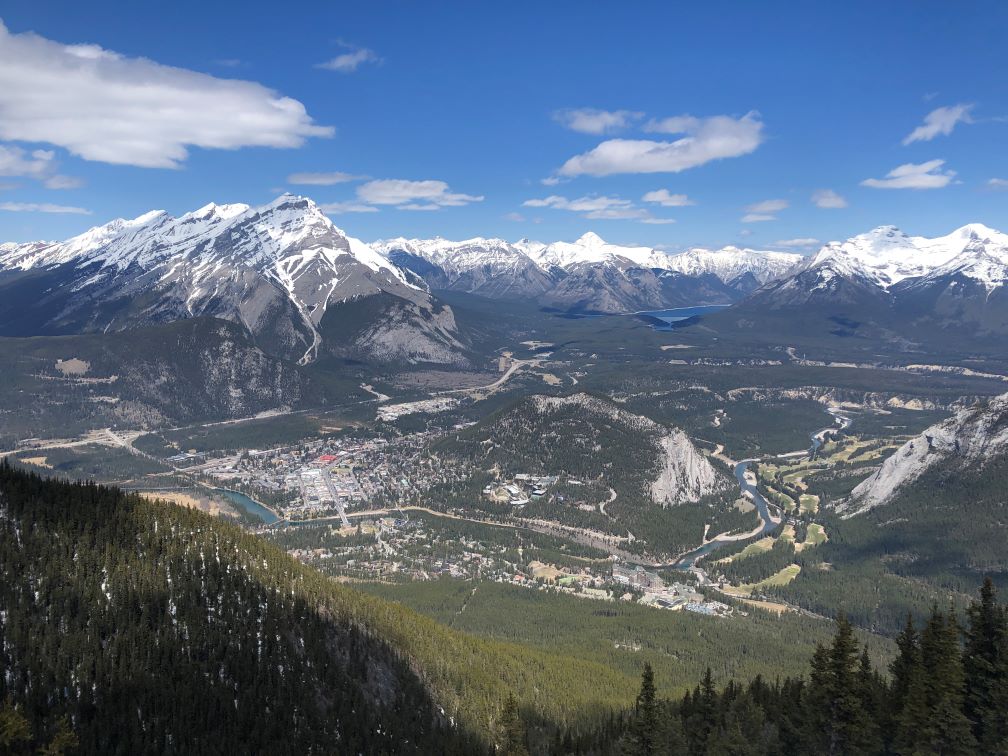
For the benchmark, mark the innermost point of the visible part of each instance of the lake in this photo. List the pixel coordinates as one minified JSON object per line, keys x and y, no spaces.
{"x":665,"y":320}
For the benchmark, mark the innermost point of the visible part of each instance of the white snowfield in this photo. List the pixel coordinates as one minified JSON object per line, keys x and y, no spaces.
{"x":972,"y":435}
{"x":886,"y":256}
{"x":727,"y":264}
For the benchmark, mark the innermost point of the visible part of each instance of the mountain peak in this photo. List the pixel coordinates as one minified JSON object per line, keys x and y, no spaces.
{"x":591,"y":239}
{"x":980,"y":232}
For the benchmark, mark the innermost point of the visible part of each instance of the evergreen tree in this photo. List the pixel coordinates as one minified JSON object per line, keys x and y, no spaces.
{"x":512,"y":730}
{"x":985,"y":664}
{"x":644,"y":729}
{"x":903,"y":667}
{"x":15,"y":732}
{"x":944,"y":727}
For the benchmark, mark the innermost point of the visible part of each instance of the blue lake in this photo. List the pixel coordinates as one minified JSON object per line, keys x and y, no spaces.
{"x":669,"y":318}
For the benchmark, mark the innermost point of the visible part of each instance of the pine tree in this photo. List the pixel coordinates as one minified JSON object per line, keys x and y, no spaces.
{"x":945,"y":728}
{"x":64,"y":740}
{"x":985,"y":664}
{"x":644,"y":729}
{"x":15,"y":732}
{"x":512,"y":730}
{"x":902,"y":668}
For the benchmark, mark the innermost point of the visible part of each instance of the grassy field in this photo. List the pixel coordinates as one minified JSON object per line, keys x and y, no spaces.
{"x":782,"y":577}
{"x":808,"y":503}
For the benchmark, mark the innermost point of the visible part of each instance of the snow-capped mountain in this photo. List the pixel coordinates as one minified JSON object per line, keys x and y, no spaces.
{"x":948,"y":280}
{"x":592,"y":249}
{"x":276,"y":269}
{"x":734,"y":266}
{"x":973,"y":436}
{"x":489,"y":267}
{"x":589,"y":273}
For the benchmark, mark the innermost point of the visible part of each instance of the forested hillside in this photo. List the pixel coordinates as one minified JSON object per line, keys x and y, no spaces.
{"x":156,"y":629}
{"x":933,"y":541}
{"x":945,"y":693}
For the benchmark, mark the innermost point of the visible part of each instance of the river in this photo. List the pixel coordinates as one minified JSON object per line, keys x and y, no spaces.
{"x":688,"y":560}
{"x":251,"y":506}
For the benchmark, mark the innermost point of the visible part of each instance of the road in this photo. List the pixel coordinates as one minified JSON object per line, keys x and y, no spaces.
{"x":515,"y":366}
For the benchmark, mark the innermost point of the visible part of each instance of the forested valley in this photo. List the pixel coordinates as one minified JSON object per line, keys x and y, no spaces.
{"x":131,"y":626}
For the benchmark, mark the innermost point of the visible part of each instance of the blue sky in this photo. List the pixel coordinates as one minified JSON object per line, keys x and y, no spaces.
{"x":751,"y":123}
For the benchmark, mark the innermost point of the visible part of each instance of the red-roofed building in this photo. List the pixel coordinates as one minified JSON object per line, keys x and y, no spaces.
{"x":327,"y":458}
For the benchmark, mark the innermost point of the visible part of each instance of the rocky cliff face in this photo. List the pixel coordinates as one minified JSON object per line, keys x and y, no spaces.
{"x":971,"y":437}
{"x":276,"y":270}
{"x":682,"y":474}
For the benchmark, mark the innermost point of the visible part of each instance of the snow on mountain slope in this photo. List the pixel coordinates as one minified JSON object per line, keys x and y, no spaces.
{"x":490,"y":267}
{"x":731,"y":263}
{"x":884,"y":281}
{"x":971,"y":436}
{"x":591,"y":249}
{"x":587,"y":274}
{"x":886,"y":256}
{"x":277,"y":269}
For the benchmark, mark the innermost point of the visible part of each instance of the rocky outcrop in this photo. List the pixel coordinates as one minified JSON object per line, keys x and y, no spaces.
{"x":971,"y":436}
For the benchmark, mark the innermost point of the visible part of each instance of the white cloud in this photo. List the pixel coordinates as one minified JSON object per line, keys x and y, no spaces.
{"x":828,"y":199}
{"x":913,"y":176}
{"x":597,"y":207}
{"x":800,"y":243}
{"x":60,"y":181}
{"x":550,"y":181}
{"x":760,"y":212}
{"x":705,"y":139}
{"x":321,"y":179}
{"x":412,"y":195}
{"x":593,"y":121}
{"x":350,"y":61}
{"x":103,"y":106}
{"x":15,"y":161}
{"x":41,"y":207}
{"x":339,"y":208}
{"x":940,"y":121}
{"x":997,"y":183}
{"x":516,"y":217}
{"x":767,"y":206}
{"x":39,"y":165}
{"x":663,"y":198}
{"x":423,"y":206}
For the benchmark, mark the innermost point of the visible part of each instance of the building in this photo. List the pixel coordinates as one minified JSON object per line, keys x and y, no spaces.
{"x":637,"y":577}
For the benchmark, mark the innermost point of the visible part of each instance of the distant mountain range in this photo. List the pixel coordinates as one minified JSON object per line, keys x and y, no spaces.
{"x":303,"y":288}
{"x":589,"y":274}
{"x":886,"y":281}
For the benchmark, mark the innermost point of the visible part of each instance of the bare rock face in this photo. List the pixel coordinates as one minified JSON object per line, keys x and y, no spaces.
{"x":276,"y":270}
{"x":682,"y":473}
{"x":972,"y":436}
